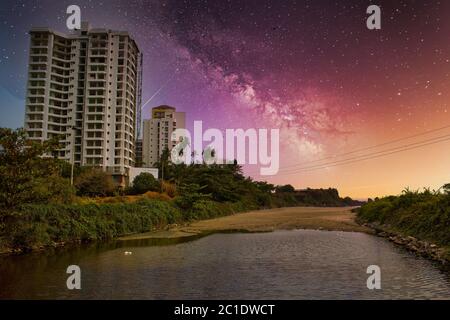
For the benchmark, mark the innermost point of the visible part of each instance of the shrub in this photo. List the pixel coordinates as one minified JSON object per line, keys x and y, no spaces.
{"x":424,"y":215}
{"x":22,"y":167}
{"x":285,"y":188}
{"x":169,"y":188}
{"x":94,"y":182}
{"x":40,"y":225}
{"x":157,"y":195}
{"x":145,"y":182}
{"x":33,"y":226}
{"x":53,"y":189}
{"x":446,"y":188}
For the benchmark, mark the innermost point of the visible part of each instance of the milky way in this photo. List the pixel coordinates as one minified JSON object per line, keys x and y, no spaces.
{"x":310,"y":68}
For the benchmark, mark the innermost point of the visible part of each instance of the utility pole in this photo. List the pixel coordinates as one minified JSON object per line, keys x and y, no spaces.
{"x":162,"y":173}
{"x":72,"y":155}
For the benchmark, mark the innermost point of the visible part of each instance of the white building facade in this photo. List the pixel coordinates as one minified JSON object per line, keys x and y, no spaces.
{"x":157,"y":133}
{"x":85,"y":88}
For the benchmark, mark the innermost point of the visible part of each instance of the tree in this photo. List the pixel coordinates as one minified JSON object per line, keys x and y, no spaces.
{"x":54,"y":189}
{"x":446,"y":188}
{"x":189,"y":195}
{"x":285,"y":188}
{"x":145,"y":182}
{"x":264,"y":187}
{"x":28,"y":172}
{"x":94,"y":182}
{"x":164,"y":164}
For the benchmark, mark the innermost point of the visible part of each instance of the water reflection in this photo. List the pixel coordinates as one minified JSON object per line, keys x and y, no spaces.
{"x":301,"y":264}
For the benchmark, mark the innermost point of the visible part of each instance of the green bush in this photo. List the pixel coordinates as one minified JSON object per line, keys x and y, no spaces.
{"x":41,"y":225}
{"x":145,"y":182}
{"x":424,"y":215}
{"x":285,"y":188}
{"x":32,"y":226}
{"x":94,"y":182}
{"x":53,"y":189}
{"x":26,"y":176}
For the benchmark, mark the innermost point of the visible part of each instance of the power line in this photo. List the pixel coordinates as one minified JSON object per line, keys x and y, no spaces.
{"x":381,"y":144}
{"x":343,"y":162}
{"x":378,"y":152}
{"x":366,"y":148}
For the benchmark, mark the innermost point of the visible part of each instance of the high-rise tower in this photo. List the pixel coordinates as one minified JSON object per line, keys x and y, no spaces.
{"x":158,"y":132}
{"x":85,"y":88}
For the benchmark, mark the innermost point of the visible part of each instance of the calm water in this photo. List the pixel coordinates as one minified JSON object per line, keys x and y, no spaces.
{"x":297,"y":264}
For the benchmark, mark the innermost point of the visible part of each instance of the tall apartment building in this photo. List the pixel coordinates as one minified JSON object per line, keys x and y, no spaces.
{"x":158,"y":131}
{"x":138,"y":152}
{"x":85,"y":88}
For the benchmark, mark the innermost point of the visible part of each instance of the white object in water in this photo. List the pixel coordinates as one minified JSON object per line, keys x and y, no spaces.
{"x":128,"y":253}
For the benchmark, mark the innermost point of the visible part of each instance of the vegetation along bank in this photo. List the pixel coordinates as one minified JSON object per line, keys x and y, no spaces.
{"x":420,"y":221}
{"x":40,"y":208}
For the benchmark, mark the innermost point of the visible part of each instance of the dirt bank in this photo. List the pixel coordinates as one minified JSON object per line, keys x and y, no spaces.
{"x":337,"y":219}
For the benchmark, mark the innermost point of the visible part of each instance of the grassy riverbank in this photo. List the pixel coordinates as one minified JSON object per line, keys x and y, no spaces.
{"x":38,"y":226}
{"x":39,"y":207}
{"x":223,"y":191}
{"x":336,"y":219}
{"x":424,"y":216}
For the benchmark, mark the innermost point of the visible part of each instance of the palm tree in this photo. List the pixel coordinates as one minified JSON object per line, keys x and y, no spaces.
{"x":446,"y":188}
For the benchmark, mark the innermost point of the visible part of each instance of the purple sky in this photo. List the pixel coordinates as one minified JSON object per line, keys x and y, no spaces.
{"x":310,"y":68}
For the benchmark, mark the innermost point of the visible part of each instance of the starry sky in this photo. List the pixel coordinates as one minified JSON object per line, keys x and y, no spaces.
{"x":336,"y":90}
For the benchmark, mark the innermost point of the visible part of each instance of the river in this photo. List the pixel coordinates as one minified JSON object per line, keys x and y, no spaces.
{"x":298,"y":264}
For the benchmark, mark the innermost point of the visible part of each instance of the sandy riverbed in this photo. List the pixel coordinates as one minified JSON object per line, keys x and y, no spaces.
{"x":337,"y":219}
